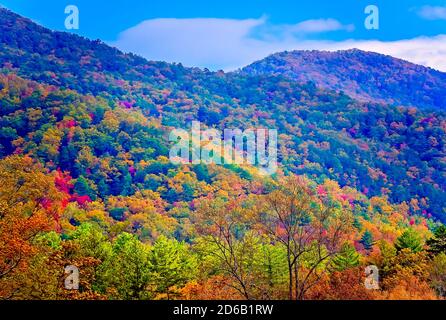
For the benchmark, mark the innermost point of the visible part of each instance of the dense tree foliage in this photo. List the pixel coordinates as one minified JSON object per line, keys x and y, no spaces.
{"x":85,"y":180}
{"x":362,"y":75}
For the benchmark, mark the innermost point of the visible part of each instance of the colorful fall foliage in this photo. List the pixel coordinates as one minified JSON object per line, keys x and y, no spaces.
{"x":85,"y":180}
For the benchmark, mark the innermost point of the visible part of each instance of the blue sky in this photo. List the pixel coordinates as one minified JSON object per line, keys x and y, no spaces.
{"x":227,"y":34}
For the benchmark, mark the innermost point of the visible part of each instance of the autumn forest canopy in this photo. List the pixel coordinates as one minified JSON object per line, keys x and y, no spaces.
{"x":86,"y":179}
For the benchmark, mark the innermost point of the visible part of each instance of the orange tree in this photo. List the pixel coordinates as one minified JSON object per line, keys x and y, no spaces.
{"x":29,"y":205}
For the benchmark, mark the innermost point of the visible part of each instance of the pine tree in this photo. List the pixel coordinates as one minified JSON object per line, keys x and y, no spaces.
{"x":347,"y":258}
{"x":103,"y":189}
{"x":82,"y":188}
{"x":127,"y":188}
{"x":437,"y":244}
{"x":409,"y":240}
{"x":357,"y":224}
{"x":172,"y":265}
{"x":127,"y":270}
{"x":367,"y":240}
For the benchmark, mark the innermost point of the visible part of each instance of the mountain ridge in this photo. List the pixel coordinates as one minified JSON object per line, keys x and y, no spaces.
{"x":87,"y":181}
{"x":365,"y":76}
{"x":318,"y":127}
{"x":324,"y":68}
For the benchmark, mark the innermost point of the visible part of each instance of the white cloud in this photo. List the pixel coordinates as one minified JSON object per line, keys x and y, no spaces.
{"x":433,"y":13}
{"x":427,"y":51}
{"x":320,"y":25}
{"x":195,"y":42}
{"x":229,"y":44}
{"x":216,"y":43}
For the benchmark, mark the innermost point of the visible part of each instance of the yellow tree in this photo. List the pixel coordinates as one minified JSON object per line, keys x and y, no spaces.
{"x":310,"y":230}
{"x":225,"y":224}
{"x":29,"y":205}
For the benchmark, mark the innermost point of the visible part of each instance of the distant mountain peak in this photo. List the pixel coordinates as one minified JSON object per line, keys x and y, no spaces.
{"x":366,"y":76}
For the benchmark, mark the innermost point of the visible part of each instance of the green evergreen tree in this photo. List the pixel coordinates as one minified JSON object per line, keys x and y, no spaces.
{"x":188,"y":192}
{"x":103,"y":189}
{"x":172,"y":265}
{"x":83,"y":188}
{"x":409,"y":240}
{"x":367,"y":240}
{"x":92,"y":241}
{"x":357,"y":224}
{"x":127,"y":188}
{"x":127,"y":271}
{"x":347,"y":258}
{"x":437,"y":244}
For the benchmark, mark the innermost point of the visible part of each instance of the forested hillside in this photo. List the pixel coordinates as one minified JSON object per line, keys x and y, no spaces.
{"x":85,"y":179}
{"x":366,"y":76}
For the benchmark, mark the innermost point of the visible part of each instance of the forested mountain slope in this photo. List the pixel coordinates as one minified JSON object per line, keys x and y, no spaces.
{"x":366,"y":76}
{"x":373,"y":147}
{"x":85,"y":179}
